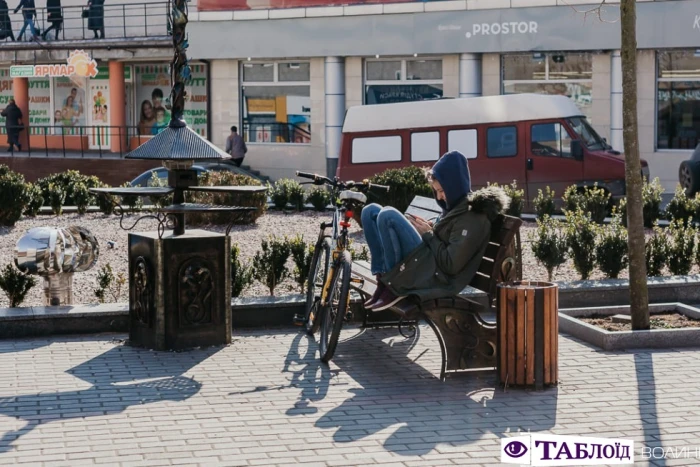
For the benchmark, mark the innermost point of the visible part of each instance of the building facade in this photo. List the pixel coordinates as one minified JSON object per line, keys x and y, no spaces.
{"x":284,"y":71}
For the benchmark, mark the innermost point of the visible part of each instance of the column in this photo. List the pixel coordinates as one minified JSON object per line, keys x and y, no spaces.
{"x":470,"y":75}
{"x":117,"y":109}
{"x":616,"y":140}
{"x":20,"y":91}
{"x":335,"y":110}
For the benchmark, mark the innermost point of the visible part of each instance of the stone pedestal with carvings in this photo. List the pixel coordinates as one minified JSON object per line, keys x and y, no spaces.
{"x":180,"y":290}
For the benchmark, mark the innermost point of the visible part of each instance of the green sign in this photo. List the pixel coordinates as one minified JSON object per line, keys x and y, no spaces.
{"x":21,"y":71}
{"x":103,"y":72}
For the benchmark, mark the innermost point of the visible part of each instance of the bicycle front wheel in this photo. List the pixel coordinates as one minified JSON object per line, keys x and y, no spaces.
{"x":318,"y":271}
{"x":333,"y":314}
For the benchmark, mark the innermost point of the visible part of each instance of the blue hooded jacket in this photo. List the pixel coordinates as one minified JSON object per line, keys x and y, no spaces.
{"x":452,"y":172}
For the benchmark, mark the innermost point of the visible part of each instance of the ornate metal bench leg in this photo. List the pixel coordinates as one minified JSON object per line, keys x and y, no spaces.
{"x":468,"y":342}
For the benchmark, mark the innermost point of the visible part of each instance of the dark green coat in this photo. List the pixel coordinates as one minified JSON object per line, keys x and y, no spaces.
{"x":450,"y":255}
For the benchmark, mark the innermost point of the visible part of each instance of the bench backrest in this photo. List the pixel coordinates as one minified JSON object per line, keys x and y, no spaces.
{"x":499,"y":263}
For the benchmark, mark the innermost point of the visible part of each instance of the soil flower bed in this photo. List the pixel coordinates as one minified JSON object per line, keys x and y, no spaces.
{"x":657,"y":321}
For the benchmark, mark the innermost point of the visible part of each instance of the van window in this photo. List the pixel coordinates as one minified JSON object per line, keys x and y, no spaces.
{"x":463,"y":141}
{"x":376,"y":149}
{"x":550,"y":139}
{"x":502,"y":141}
{"x":425,"y":146}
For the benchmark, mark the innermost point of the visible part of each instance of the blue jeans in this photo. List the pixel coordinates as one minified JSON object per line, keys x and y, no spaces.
{"x":30,"y":23}
{"x":389,"y":235}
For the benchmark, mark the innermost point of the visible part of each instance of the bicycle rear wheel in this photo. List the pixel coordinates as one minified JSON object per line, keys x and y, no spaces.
{"x":333,"y":314}
{"x":318,"y":271}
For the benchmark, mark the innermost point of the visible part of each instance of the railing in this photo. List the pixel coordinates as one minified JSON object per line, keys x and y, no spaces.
{"x":276,"y":132}
{"x":77,"y":141}
{"x":120,"y":21}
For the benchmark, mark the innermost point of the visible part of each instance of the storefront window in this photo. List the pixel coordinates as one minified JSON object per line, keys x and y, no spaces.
{"x":568,"y":74}
{"x":40,"y":105}
{"x":276,"y":102}
{"x":678,"y":100}
{"x":393,"y":80}
{"x":69,"y":103}
{"x":152,"y":88}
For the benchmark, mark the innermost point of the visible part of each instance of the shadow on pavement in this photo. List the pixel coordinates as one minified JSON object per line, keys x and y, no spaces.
{"x":395,"y":389}
{"x":117,"y":377}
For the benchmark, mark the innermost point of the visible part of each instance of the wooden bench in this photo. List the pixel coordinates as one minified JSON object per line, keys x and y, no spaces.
{"x":465,"y":324}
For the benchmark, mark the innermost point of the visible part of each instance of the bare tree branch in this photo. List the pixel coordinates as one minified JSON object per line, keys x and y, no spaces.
{"x":596,"y":11}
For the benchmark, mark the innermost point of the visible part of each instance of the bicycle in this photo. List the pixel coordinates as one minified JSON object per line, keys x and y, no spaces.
{"x":331,"y":266}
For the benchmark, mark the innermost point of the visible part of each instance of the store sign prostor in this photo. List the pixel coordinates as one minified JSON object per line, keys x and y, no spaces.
{"x":446,"y":32}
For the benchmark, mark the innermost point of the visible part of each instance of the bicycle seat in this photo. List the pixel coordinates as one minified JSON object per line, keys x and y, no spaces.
{"x":348,"y":195}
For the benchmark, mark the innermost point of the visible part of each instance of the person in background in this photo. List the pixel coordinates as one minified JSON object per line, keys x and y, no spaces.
{"x":160,"y":123}
{"x":429,"y":259}
{"x":96,"y":17}
{"x":236,"y":147}
{"x":157,"y":98}
{"x":29,"y":13}
{"x":57,"y":122}
{"x":5,"y":23}
{"x":13,"y":121}
{"x":55,"y":17}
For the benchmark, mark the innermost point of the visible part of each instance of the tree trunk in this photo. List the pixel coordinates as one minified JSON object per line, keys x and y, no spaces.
{"x":639,"y":299}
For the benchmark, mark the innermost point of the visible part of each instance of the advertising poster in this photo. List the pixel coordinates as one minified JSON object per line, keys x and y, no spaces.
{"x":152,"y":84}
{"x":204,"y":5}
{"x":40,"y":118}
{"x":99,"y":114}
{"x":69,"y":103}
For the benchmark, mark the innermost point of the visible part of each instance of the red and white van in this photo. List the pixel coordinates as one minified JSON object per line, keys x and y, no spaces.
{"x":536,"y":140}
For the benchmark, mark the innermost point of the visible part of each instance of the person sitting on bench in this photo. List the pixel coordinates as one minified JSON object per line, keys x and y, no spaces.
{"x":429,"y":260}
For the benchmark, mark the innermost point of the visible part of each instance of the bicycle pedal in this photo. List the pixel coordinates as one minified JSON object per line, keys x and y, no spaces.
{"x":299,"y":320}
{"x":348,"y":316}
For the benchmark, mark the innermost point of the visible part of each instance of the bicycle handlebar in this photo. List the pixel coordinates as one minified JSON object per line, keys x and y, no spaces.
{"x":320,"y":180}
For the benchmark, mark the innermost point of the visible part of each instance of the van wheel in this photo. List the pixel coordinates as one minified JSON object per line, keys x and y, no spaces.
{"x":689,"y":176}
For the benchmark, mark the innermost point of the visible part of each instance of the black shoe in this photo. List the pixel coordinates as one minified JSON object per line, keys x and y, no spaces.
{"x":19,"y":147}
{"x":10,"y":149}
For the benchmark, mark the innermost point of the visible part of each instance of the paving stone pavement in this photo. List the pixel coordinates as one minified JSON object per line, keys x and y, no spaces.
{"x":267,"y":400}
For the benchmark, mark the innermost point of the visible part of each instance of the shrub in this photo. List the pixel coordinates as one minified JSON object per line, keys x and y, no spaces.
{"x":67,"y":181}
{"x":611,"y":250}
{"x":549,"y":245}
{"x":544,"y":203}
{"x":15,"y":284}
{"x":133,"y":202}
{"x":405,"y":184}
{"x":651,"y":194}
{"x":287,"y":191}
{"x":593,"y":200}
{"x":517,"y":199}
{"x":57,"y":197}
{"x":302,"y":254}
{"x":656,"y":252}
{"x":680,"y":208}
{"x":81,"y":197}
{"x":13,"y":196}
{"x":108,"y":283}
{"x":36,"y":200}
{"x":159,"y":201}
{"x":580,"y":237}
{"x":241,"y":274}
{"x":216,"y":178}
{"x":269,"y":264}
{"x":362,"y":255}
{"x":681,"y":247}
{"x":319,"y":197}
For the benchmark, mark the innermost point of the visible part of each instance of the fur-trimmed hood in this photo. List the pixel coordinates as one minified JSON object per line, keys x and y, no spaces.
{"x":491,"y":200}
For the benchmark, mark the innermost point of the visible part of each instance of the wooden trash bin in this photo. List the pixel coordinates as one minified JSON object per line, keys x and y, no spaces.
{"x":528,"y":333}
